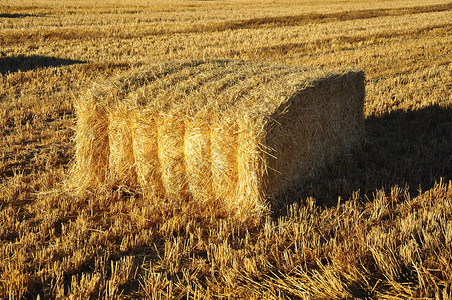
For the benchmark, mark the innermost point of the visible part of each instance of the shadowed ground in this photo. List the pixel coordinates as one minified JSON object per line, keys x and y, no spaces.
{"x":15,"y":16}
{"x":409,"y":149}
{"x":26,"y":63}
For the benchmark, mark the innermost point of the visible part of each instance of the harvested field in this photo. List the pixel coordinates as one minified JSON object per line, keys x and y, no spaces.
{"x":375,"y":223}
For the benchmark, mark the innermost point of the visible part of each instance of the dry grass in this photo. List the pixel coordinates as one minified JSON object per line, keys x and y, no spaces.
{"x":373,"y":224}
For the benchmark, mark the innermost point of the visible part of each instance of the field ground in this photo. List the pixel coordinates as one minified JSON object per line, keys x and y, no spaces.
{"x":376,"y":224}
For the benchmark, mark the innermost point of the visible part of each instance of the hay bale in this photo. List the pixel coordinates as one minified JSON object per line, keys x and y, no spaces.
{"x":233,"y":132}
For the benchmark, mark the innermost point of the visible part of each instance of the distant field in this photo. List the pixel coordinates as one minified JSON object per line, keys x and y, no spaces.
{"x":375,"y":224}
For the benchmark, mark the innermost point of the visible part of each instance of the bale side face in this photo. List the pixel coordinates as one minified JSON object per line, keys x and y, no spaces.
{"x":171,"y":138}
{"x":92,"y":146}
{"x":121,"y":158}
{"x":146,"y":155}
{"x":249,"y":199}
{"x":198,"y":158}
{"x":224,"y":159}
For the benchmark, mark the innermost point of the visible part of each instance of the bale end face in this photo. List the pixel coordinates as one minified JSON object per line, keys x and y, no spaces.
{"x":312,"y":129}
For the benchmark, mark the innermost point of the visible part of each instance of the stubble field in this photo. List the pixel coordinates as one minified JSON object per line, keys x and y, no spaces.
{"x":375,"y":224}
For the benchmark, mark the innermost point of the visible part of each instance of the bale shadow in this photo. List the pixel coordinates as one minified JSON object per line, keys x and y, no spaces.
{"x":26,"y":63}
{"x":412,"y":150}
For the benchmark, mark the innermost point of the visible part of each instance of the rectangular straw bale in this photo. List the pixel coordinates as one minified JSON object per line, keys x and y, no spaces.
{"x":239,"y":144}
